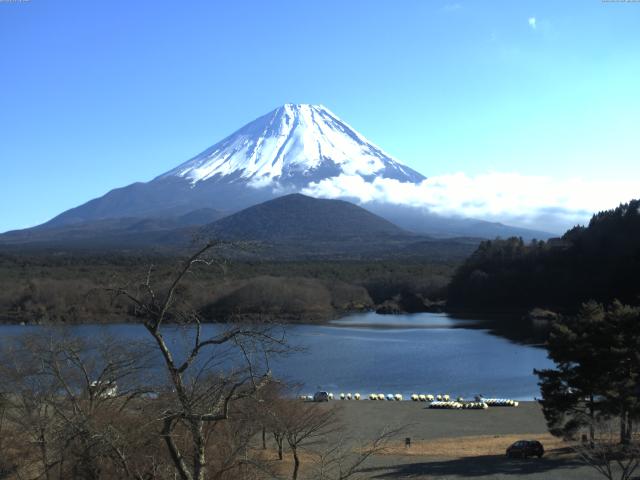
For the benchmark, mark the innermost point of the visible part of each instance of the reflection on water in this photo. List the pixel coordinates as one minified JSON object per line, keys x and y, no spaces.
{"x":426,"y":320}
{"x":366,"y":353}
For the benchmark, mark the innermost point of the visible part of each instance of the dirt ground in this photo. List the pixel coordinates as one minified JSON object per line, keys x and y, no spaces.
{"x":455,"y":444}
{"x":365,"y":418}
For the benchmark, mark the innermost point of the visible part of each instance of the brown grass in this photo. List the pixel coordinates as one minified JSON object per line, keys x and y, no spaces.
{"x":284,"y":467}
{"x":471,"y":446}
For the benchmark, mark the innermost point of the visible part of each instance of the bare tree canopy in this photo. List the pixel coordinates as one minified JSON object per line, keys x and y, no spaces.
{"x":189,"y":400}
{"x":200,"y":391}
{"x":612,"y":459}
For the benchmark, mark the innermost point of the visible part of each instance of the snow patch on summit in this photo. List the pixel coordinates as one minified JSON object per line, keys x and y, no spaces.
{"x":294,"y":144}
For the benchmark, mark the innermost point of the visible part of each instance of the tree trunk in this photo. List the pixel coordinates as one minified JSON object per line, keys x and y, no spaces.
{"x":264,"y":438}
{"x":176,"y":456}
{"x":592,"y":417}
{"x":623,"y":427}
{"x":279,"y":441}
{"x":296,"y":463}
{"x":200,"y":461}
{"x":43,"y":454}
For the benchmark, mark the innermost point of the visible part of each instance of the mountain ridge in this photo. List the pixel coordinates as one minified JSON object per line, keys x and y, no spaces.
{"x":291,"y":227}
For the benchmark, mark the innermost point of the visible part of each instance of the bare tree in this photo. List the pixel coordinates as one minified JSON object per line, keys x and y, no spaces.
{"x":607,"y":455}
{"x":304,"y":423}
{"x":70,"y":397}
{"x":216,"y":369}
{"x":317,"y":430}
{"x":7,"y":464}
{"x":271,"y":409}
{"x":344,"y":459}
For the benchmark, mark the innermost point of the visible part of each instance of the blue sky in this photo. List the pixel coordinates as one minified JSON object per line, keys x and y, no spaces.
{"x":96,"y":95}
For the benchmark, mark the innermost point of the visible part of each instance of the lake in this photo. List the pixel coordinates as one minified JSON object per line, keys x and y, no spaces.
{"x":371,"y":353}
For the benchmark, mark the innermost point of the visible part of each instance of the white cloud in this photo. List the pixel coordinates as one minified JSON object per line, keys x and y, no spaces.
{"x":532,"y":22}
{"x":529,"y":201}
{"x":452,"y":7}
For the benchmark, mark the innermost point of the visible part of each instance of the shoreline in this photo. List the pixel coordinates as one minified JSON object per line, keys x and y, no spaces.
{"x":506,"y":325}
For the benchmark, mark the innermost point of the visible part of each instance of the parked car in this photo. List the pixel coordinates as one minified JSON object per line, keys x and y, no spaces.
{"x":321,"y":397}
{"x":525,"y":448}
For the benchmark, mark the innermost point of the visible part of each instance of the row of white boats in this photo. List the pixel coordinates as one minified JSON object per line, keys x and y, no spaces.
{"x":439,"y":401}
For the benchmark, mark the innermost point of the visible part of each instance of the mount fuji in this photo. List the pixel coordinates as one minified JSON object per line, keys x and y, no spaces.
{"x":286,"y":151}
{"x":281,"y":152}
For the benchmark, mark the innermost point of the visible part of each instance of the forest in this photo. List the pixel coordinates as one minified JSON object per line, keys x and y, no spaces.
{"x":44,"y":288}
{"x":597,"y":262}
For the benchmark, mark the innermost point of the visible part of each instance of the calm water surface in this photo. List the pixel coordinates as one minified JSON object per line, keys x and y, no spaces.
{"x":366,"y":353}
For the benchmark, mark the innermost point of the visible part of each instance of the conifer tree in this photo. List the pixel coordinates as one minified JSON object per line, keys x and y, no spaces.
{"x":597,"y":375}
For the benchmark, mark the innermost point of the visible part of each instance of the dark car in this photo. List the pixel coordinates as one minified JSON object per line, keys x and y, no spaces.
{"x":525,"y":448}
{"x":321,"y":397}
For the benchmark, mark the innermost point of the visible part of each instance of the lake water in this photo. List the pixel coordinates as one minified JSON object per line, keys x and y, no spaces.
{"x":371,"y":353}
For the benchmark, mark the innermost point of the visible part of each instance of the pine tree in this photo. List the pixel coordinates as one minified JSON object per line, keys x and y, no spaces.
{"x":623,"y":396}
{"x":597,"y":356}
{"x":570,"y":392}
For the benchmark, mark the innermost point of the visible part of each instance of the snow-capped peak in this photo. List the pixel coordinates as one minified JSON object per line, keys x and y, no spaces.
{"x":293,"y":144}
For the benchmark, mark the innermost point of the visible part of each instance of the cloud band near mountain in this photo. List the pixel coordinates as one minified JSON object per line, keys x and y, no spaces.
{"x":527,"y":201}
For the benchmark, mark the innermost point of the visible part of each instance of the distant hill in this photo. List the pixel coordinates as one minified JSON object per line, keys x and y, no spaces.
{"x":600,"y":262}
{"x":296,"y":226}
{"x":421,"y":221}
{"x":290,"y":227}
{"x":108,"y":233}
{"x":303,"y":218}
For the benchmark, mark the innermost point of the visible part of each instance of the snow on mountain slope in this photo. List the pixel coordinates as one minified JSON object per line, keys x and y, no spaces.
{"x":293,"y":145}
